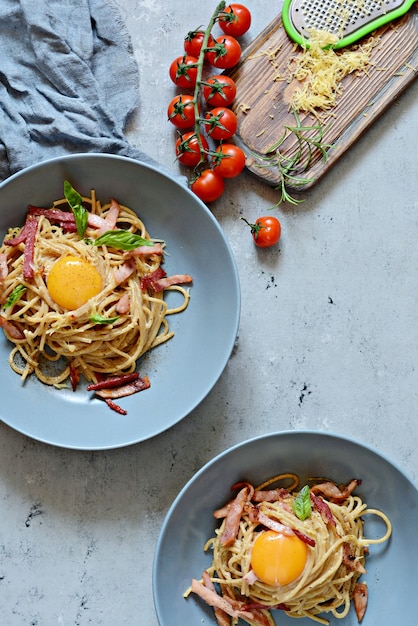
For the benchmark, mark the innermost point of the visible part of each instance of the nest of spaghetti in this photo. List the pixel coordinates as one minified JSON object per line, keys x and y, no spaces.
{"x":82,"y":293}
{"x":298,"y":550}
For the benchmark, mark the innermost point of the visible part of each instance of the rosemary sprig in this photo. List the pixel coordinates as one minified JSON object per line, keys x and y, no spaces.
{"x":309,"y":139}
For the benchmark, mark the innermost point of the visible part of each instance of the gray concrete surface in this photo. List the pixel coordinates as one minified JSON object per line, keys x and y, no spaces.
{"x":327,"y":341}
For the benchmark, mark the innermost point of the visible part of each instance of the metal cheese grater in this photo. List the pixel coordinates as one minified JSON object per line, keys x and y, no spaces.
{"x":349,"y":20}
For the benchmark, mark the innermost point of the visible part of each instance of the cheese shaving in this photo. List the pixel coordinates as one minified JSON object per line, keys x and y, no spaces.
{"x":321,"y":69}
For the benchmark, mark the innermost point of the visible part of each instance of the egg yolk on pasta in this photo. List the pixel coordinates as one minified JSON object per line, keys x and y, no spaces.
{"x":278,"y":559}
{"x":72,"y":281}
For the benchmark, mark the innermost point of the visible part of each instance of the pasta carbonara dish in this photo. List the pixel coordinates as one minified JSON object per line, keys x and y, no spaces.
{"x":82,"y":294}
{"x":299,"y":550}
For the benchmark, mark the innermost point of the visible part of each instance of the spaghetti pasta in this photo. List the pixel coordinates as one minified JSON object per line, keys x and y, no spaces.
{"x":115,"y":324}
{"x":298,"y":550}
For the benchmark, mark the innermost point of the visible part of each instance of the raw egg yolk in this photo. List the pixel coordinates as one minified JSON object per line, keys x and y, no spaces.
{"x":72,"y":281}
{"x":278,"y":559}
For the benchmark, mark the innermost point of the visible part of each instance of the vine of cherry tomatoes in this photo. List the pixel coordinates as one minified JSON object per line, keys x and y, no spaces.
{"x":201,"y":112}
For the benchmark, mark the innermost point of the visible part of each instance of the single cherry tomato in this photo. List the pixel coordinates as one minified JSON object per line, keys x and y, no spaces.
{"x":229,"y":160}
{"x":183,"y":71}
{"x":194,"y":40}
{"x":181,"y":111}
{"x":188,"y":149}
{"x":219,"y":91}
{"x":220,"y":123}
{"x":235,"y":20}
{"x":208,"y":186}
{"x":225,"y":53}
{"x":266,"y":231}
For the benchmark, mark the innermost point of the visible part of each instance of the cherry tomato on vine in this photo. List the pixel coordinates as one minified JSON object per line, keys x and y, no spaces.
{"x":229,"y":160}
{"x":194,"y":40}
{"x":220,"y":123}
{"x":188,"y":149}
{"x":208,"y":186}
{"x":183,"y":71}
{"x":226,"y":52}
{"x":266,"y":231}
{"x":181,"y":111}
{"x":219,"y":91}
{"x":235,"y":20}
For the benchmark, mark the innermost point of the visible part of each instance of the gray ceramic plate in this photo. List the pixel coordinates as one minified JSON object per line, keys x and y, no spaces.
{"x":183,"y":371}
{"x":391,"y":567}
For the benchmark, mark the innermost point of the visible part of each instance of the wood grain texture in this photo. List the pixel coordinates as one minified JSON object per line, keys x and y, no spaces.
{"x":263,"y":95}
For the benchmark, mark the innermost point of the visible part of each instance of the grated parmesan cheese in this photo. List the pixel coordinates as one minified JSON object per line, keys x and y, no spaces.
{"x":321,"y":70}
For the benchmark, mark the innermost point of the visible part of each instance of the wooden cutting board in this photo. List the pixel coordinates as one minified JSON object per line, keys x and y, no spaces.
{"x":262,"y":106}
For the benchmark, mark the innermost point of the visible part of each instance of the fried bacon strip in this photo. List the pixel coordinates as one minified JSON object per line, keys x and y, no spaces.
{"x":322,"y":507}
{"x":66,"y":219}
{"x":124,"y":390}
{"x":27,"y":236}
{"x":233,"y":518}
{"x":125,"y":270}
{"x":115,"y":407}
{"x":158,"y":280}
{"x":215,"y":600}
{"x":122,"y":386}
{"x":4,"y":270}
{"x":360,"y":598}
{"x":269,"y":495}
{"x":351,"y":562}
{"x":147,"y":250}
{"x":334,"y":493}
{"x":114,"y":381}
{"x":222,"y":618}
{"x":109,"y":222}
{"x":13,"y":331}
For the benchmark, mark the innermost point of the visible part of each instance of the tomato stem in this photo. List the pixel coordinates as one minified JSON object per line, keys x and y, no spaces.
{"x":196,"y":94}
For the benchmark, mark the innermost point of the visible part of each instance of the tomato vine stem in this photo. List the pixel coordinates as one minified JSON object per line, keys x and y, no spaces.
{"x":200,"y":63}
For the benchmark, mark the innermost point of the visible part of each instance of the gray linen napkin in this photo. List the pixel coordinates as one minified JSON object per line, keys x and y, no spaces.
{"x":68,"y":81}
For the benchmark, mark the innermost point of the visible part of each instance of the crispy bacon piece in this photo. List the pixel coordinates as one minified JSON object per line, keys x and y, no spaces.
{"x":215,"y":600}
{"x":240,"y":485}
{"x":115,"y":407}
{"x":334,"y":493}
{"x":74,"y":377}
{"x":149,"y":279}
{"x":269,"y":495}
{"x":222,"y":618}
{"x":147,"y":250}
{"x":114,"y":381}
{"x":351,"y":562}
{"x":124,"y":304}
{"x":4,"y":271}
{"x":233,"y":518}
{"x":168,"y":281}
{"x":124,"y":271}
{"x":158,"y":280}
{"x":275,"y":525}
{"x":124,"y":390}
{"x":308,"y":540}
{"x":109,"y":222}
{"x":360,"y":597}
{"x":66,"y":219}
{"x":323,"y":509}
{"x":13,"y":331}
{"x":27,"y":236}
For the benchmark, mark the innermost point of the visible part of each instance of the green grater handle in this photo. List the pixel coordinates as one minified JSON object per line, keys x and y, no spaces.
{"x":353,"y":37}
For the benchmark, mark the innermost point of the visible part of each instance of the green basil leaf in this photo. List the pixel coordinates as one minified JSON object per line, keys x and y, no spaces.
{"x":99,"y":319}
{"x":302,"y":504}
{"x":79,"y":211}
{"x":122,"y":240}
{"x":14,"y":296}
